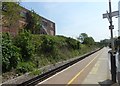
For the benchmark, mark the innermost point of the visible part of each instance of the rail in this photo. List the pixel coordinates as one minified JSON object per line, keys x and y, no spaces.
{"x":46,"y":75}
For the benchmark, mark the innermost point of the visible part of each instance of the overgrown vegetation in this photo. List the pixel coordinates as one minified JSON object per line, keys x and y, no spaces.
{"x":10,"y":53}
{"x":24,"y":42}
{"x":11,"y":16}
{"x":34,"y":22}
{"x":27,"y":52}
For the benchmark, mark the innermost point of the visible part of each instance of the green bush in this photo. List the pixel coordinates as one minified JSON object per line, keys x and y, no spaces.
{"x":36,"y":41}
{"x":48,"y":45}
{"x":27,"y":51}
{"x":24,"y":67}
{"x":23,"y":41}
{"x":10,"y":53}
{"x":72,"y":43}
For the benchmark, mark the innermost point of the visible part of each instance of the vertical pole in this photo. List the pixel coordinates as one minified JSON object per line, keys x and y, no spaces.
{"x":111,"y":29}
{"x":119,"y":19}
{"x":113,"y":61}
{"x":113,"y":67}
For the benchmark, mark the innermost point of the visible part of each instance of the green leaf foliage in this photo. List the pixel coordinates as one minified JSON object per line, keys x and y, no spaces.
{"x":11,"y":11}
{"x":34,"y":22}
{"x":23,"y":41}
{"x":28,"y":51}
{"x":48,"y":45}
{"x":89,"y":41}
{"x":24,"y":67}
{"x":72,"y":43}
{"x":82,"y":37}
{"x":10,"y":53}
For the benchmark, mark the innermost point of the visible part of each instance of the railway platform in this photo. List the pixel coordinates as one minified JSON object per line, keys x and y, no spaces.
{"x":100,"y":73}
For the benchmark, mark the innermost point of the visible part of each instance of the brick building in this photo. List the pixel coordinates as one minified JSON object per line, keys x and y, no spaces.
{"x":47,"y":26}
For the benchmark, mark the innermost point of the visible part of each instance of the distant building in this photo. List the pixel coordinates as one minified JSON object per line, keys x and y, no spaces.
{"x":47,"y":26}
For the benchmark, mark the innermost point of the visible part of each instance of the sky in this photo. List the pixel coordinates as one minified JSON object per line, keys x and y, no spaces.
{"x":73,"y":17}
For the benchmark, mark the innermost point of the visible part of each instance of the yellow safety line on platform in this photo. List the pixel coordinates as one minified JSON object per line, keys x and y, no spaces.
{"x":81,"y":71}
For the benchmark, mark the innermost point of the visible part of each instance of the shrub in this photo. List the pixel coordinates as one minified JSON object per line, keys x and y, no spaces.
{"x":48,"y":45}
{"x":23,"y":41}
{"x":10,"y":53}
{"x":24,"y":67}
{"x":36,"y":41}
{"x":72,"y":43}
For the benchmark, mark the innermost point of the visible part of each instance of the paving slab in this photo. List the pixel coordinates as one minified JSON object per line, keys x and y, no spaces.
{"x":100,"y":73}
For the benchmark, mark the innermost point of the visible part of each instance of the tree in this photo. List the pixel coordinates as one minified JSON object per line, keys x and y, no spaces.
{"x":82,"y":36}
{"x":105,"y":42}
{"x":84,"y":39}
{"x":89,"y":41}
{"x":34,"y":22}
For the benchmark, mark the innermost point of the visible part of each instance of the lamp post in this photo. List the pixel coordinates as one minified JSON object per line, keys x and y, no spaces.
{"x":112,"y":53}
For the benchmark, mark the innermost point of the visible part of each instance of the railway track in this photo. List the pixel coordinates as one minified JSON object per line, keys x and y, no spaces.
{"x":46,"y":75}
